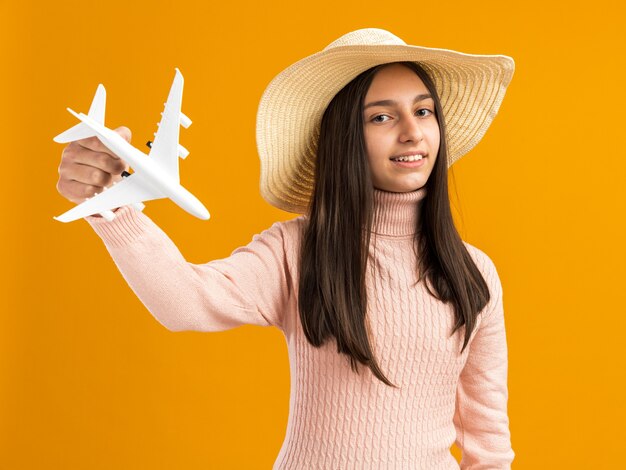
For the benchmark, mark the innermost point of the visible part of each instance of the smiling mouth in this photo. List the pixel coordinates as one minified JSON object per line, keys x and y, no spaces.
{"x":410,"y":158}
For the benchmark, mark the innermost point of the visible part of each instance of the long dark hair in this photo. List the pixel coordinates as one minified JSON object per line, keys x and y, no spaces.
{"x":333,"y":257}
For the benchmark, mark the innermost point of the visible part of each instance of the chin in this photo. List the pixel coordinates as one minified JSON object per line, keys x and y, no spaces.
{"x":394,"y":186}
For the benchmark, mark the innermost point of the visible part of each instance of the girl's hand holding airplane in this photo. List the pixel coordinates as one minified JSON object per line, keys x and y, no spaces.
{"x":87,"y":167}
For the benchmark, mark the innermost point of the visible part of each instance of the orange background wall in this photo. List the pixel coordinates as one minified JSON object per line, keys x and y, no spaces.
{"x":88,"y":379}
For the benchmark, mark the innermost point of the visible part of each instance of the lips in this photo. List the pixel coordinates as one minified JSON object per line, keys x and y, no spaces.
{"x":410,"y":164}
{"x":408,"y":154}
{"x":409,"y":158}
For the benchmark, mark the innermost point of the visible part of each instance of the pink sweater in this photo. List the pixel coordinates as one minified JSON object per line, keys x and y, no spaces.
{"x":338,"y":419}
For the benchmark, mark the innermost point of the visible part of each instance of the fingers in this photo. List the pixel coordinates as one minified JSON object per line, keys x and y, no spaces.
{"x":87,"y":167}
{"x":94,"y":144}
{"x":88,"y":174}
{"x":75,"y":191}
{"x":124,"y":132}
{"x":99,"y":160}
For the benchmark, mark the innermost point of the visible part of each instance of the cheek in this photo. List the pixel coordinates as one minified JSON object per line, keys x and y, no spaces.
{"x":376,"y":158}
{"x":375,"y":144}
{"x":435,"y":136}
{"x":371,"y":147}
{"x":369,"y":141}
{"x":375,"y":164}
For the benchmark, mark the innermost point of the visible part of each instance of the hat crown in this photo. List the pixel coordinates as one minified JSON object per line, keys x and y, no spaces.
{"x":366,"y":37}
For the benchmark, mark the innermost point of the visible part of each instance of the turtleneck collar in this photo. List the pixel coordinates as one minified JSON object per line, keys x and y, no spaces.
{"x":397,"y":213}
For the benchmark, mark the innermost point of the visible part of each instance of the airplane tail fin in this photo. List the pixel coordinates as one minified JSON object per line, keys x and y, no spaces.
{"x":81,"y":130}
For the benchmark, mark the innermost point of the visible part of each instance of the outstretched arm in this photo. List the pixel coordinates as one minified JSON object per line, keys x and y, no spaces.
{"x":248,"y":287}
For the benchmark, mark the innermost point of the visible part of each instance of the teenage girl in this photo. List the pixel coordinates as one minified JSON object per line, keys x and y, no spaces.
{"x":394,"y":325}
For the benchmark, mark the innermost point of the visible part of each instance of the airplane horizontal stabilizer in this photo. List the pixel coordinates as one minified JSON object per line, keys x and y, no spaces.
{"x":79,"y":131}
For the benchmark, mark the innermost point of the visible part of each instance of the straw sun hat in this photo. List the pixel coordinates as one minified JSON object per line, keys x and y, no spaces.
{"x":470,"y":87}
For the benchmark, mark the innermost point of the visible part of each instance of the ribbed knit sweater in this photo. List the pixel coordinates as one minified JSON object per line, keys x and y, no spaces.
{"x":339,"y":419}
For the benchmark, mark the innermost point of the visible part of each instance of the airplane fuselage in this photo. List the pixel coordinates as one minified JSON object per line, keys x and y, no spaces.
{"x":152,"y":172}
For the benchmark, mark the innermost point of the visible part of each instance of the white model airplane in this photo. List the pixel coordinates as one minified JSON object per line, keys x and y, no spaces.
{"x":155,"y":175}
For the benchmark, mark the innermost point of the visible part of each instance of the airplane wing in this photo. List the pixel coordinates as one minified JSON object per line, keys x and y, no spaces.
{"x":165,"y":149}
{"x":132,"y":189}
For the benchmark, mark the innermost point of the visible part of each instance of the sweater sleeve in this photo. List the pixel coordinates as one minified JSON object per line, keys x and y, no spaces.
{"x":481,"y":418}
{"x":248,"y":287}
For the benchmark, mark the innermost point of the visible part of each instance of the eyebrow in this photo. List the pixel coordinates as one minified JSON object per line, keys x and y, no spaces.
{"x":392,"y":102}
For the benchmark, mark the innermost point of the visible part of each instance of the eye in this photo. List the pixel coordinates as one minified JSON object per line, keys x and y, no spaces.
{"x":374,"y":119}
{"x":427,"y":111}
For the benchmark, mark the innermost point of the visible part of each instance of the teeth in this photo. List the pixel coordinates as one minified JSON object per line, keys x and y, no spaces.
{"x":410,"y":158}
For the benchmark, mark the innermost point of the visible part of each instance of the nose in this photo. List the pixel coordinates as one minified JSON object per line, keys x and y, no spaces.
{"x":411,"y":130}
